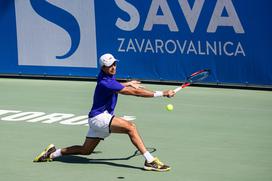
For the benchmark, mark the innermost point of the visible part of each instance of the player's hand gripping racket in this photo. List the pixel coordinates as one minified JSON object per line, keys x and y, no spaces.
{"x":195,"y":77}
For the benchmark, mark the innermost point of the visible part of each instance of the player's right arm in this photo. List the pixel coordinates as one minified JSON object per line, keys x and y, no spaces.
{"x":145,"y":93}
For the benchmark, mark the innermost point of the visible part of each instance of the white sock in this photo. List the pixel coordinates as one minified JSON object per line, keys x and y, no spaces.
{"x":56,"y":154}
{"x":148,"y":157}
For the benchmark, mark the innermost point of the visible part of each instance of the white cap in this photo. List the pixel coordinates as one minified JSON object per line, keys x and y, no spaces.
{"x":107,"y":60}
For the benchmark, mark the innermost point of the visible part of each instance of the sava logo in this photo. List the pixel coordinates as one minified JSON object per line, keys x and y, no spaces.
{"x":192,"y":15}
{"x":56,"y":33}
{"x":224,"y":17}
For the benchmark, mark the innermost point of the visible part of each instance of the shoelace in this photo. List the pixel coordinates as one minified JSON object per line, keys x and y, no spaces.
{"x":45,"y":156}
{"x":158,"y":162}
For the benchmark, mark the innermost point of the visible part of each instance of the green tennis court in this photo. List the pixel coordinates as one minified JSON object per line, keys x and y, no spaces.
{"x":211,"y":135}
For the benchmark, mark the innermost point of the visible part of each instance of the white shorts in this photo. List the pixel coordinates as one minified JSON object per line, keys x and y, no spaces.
{"x":99,"y":126}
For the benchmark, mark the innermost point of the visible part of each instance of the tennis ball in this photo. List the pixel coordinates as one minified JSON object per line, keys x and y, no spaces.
{"x":169,"y":107}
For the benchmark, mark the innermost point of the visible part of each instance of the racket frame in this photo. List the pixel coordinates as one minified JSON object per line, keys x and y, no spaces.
{"x":187,"y":83}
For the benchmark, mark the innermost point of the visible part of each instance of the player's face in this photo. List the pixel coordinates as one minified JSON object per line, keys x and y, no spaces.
{"x":111,"y":70}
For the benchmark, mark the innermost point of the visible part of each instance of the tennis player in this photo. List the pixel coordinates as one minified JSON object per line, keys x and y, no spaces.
{"x":103,"y":122}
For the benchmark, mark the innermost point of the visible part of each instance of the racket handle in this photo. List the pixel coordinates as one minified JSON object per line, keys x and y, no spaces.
{"x":181,"y":87}
{"x":177,"y":89}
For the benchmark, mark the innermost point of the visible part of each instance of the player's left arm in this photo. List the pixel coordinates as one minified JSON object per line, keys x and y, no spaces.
{"x":134,"y":83}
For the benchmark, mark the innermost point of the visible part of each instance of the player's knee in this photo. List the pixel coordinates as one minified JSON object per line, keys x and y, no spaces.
{"x":132,"y":127}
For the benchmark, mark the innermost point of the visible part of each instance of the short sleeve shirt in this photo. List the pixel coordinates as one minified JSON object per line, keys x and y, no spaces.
{"x":105,"y":95}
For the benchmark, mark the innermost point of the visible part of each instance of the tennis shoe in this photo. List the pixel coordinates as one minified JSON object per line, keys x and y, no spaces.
{"x":156,"y":165}
{"x":45,"y":155}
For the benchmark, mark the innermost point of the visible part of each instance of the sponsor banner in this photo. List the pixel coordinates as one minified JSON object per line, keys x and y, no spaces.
{"x":56,"y":33}
{"x":154,"y":39}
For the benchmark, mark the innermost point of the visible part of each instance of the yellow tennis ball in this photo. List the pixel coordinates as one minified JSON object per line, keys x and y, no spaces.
{"x":170,"y":107}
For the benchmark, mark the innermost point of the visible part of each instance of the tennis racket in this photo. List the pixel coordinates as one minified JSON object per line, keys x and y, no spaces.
{"x":195,"y":77}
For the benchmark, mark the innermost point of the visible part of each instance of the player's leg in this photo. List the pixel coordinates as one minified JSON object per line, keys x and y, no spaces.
{"x":119,"y":125}
{"x":98,"y":130}
{"x":86,"y":149}
{"x":51,"y":152}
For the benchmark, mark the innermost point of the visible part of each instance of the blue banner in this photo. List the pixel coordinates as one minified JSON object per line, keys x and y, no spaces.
{"x":153,"y":39}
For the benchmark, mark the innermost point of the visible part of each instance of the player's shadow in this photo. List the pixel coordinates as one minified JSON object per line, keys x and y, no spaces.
{"x":75,"y":159}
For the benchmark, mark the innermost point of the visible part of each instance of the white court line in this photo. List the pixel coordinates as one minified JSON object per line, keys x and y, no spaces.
{"x":129,"y":118}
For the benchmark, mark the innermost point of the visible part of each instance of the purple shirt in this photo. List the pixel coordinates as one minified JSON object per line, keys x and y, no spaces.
{"x":105,"y":95}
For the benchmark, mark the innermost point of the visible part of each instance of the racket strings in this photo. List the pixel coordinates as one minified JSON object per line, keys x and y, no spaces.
{"x":195,"y":77}
{"x":198,"y":77}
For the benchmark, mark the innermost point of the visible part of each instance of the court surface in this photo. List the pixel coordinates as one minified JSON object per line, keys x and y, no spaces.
{"x":211,"y":135}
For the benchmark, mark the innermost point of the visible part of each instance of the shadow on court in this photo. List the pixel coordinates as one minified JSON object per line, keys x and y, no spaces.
{"x":83,"y":160}
{"x":75,"y":159}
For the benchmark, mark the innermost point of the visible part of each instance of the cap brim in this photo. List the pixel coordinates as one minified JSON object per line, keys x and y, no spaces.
{"x":115,"y":60}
